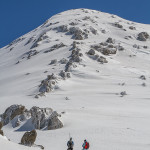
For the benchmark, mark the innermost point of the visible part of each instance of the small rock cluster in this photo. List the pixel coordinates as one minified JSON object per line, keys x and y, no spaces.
{"x":143,"y":36}
{"x":28,"y":55}
{"x":15,"y":41}
{"x":54,"y":47}
{"x":76,"y":32}
{"x":36,"y":41}
{"x":53,"y":62}
{"x":132,"y":28}
{"x":116,"y":24}
{"x":106,"y":48}
{"x":65,"y":75}
{"x":123,"y":93}
{"x":31,"y":53}
{"x":89,"y":19}
{"x":47,"y":85}
{"x":63,"y":61}
{"x":29,"y":41}
{"x":41,"y":118}
{"x":92,"y":54}
{"x":74,"y":58}
{"x":142,"y":77}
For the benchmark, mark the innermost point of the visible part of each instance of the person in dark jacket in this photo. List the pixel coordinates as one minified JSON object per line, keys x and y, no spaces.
{"x":70,"y":144}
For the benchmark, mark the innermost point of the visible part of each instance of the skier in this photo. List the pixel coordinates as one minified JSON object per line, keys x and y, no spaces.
{"x":85,"y":145}
{"x":70,"y":144}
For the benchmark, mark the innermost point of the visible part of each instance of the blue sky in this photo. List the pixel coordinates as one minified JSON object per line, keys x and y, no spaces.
{"x":18,"y":17}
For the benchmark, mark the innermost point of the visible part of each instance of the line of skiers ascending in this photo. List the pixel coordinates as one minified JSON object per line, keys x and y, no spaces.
{"x":70,"y":145}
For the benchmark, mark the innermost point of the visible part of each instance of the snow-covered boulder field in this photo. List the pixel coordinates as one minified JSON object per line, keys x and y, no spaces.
{"x":93,"y":68}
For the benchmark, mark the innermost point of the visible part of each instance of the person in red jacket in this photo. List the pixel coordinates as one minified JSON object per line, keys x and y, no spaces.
{"x":85,"y":145}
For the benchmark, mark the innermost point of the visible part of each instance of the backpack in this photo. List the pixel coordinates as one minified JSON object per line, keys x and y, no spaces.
{"x":70,"y":144}
{"x":87,"y":145}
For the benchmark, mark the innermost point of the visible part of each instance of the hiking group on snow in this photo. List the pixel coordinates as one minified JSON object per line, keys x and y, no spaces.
{"x":70,"y":145}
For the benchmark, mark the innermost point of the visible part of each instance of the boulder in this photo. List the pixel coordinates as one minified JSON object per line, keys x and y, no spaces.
{"x":91,"y":52}
{"x":54,"y":61}
{"x":29,"y":138}
{"x":108,"y":51}
{"x":132,"y":28}
{"x":110,"y":40}
{"x":54,"y":122}
{"x":62,"y":28}
{"x":120,"y":48}
{"x":143,"y":36}
{"x":142,"y":77}
{"x":45,"y":118}
{"x":11,"y":112}
{"x":63,"y":61}
{"x":94,"y":31}
{"x":145,"y":47}
{"x":68,"y":66}
{"x":51,"y":77}
{"x":123,"y":93}
{"x":116,"y":24}
{"x":64,"y":74}
{"x":102,"y":60}
{"x":97,"y":47}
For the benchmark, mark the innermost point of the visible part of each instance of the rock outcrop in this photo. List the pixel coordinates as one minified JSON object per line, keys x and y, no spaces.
{"x":40,"y":118}
{"x":11,"y":112}
{"x":45,"y":118}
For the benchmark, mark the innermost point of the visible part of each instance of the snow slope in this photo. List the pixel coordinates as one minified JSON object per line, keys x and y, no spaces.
{"x":7,"y":145}
{"x":95,"y":109}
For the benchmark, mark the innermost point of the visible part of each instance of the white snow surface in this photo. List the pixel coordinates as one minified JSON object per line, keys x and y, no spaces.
{"x":95,"y":110}
{"x":8,"y":145}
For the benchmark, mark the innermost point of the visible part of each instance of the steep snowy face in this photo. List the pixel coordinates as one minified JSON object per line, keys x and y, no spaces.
{"x":52,"y":51}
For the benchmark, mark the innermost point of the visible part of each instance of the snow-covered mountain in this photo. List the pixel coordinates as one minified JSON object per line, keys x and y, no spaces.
{"x":91,"y":67}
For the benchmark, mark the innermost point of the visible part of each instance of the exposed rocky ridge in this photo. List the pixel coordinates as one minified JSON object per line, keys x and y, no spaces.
{"x":40,"y":118}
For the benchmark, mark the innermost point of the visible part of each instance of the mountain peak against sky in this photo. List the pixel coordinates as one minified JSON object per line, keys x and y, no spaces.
{"x":63,"y":42}
{"x":93,"y":68}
